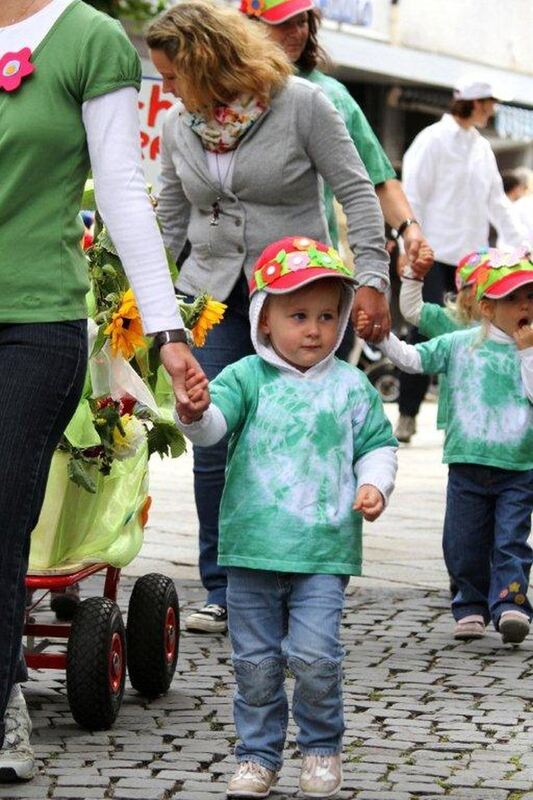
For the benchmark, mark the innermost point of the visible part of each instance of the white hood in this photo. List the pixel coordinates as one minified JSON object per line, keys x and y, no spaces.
{"x":264,"y":349}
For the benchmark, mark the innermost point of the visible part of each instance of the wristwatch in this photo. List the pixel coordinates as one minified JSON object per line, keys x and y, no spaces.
{"x":166,"y":337}
{"x":400,"y":230}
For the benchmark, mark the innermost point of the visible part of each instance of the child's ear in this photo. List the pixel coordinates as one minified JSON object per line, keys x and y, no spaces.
{"x":486,"y":308}
{"x":264,"y":326}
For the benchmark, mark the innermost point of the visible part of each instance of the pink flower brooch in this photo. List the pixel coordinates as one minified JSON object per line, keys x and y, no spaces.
{"x":14,"y":67}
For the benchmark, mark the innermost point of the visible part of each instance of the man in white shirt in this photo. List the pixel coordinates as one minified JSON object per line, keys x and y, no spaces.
{"x":452,"y":181}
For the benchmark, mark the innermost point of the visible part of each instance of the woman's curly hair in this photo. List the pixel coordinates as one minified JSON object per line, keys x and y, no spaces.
{"x":218,"y":55}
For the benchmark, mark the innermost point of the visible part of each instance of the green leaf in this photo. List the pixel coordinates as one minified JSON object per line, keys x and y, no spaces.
{"x":106,"y":243}
{"x":88,"y":201}
{"x":166,"y":439}
{"x":100,"y":340}
{"x":79,"y":474}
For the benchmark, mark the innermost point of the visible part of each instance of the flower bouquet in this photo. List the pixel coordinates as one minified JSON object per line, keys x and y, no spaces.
{"x":96,"y":500}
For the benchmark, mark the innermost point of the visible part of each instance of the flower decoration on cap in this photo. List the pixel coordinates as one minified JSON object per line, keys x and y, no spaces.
{"x":253,"y":8}
{"x":466,"y":271}
{"x":14,"y":67}
{"x":503,"y":271}
{"x":296,"y":261}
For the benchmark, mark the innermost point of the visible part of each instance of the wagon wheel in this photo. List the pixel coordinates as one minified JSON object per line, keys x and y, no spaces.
{"x":153,"y":634}
{"x":96,"y":663}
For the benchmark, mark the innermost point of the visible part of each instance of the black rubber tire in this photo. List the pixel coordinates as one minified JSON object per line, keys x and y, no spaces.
{"x":153,"y":634}
{"x":385,"y":377}
{"x":96,"y":663}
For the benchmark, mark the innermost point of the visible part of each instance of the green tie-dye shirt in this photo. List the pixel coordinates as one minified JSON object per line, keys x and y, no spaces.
{"x":290,"y":483}
{"x":489,"y":416}
{"x":434,"y":321}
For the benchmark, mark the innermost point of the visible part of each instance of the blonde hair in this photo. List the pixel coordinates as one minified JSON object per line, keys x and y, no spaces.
{"x":462,"y":307}
{"x":219,"y":54}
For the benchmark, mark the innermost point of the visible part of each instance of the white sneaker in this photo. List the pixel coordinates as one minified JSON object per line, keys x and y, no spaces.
{"x":321,"y":776}
{"x":209,"y":619}
{"x":251,"y":780}
{"x":17,"y":761}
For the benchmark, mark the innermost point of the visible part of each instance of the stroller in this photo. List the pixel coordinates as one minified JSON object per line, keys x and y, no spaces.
{"x":79,"y":534}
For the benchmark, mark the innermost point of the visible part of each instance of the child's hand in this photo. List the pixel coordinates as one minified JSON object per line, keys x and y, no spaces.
{"x":196,"y":387}
{"x":524,"y":337}
{"x":362,"y":321}
{"x":369,"y":502}
{"x":423,"y":262}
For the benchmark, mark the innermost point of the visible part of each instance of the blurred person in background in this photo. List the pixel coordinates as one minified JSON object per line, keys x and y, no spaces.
{"x":451,"y":179}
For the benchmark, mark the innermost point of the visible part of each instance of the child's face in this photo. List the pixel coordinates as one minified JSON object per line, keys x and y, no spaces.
{"x":303,"y":326}
{"x":511,"y":312}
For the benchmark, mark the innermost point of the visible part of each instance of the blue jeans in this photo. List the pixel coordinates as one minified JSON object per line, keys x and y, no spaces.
{"x":226,"y":343}
{"x":485,"y":541}
{"x":280,"y":619}
{"x":42,"y":371}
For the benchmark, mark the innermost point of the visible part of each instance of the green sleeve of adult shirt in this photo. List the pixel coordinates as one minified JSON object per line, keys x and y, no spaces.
{"x":108,"y":61}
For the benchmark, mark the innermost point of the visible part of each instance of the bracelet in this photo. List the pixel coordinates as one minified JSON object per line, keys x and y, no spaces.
{"x":400,"y":230}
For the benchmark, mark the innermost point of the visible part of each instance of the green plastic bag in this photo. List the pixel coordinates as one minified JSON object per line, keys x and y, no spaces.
{"x":77,"y":528}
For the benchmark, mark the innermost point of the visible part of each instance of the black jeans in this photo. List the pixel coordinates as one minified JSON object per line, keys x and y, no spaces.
{"x":42,"y":371}
{"x":439,"y":281}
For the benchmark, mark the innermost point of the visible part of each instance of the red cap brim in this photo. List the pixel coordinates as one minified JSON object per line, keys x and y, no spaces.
{"x":508,"y":284}
{"x":284,"y":11}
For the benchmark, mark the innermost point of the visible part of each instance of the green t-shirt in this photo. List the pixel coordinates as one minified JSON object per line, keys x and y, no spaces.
{"x":290,"y":482}
{"x":44,"y":163}
{"x":489,"y":418}
{"x":370,"y":151}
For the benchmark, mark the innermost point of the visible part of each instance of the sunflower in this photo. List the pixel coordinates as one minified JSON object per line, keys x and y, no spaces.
{"x":210,"y":315}
{"x":125,"y":328}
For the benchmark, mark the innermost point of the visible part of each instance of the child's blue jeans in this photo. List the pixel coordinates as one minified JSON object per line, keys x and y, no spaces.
{"x":485,"y":542}
{"x":280,"y":619}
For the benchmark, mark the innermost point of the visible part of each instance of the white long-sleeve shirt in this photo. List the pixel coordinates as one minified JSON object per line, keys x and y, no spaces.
{"x":112,"y":125}
{"x":452,"y":181}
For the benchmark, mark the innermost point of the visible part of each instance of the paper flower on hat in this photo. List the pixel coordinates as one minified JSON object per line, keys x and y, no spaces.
{"x":13,"y":68}
{"x":296,"y":261}
{"x":254,"y":8}
{"x":508,"y":258}
{"x":502,"y":265}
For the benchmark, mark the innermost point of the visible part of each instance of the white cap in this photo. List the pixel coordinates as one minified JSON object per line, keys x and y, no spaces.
{"x":478,"y":87}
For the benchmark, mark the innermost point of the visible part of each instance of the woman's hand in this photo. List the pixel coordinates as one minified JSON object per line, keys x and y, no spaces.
{"x":369,"y":502}
{"x":376,"y":322}
{"x":198,"y":399}
{"x":177,"y":359}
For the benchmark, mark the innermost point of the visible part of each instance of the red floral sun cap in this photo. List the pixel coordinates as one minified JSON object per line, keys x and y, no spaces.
{"x":275,"y":11}
{"x":503,"y":272}
{"x":295,"y":261}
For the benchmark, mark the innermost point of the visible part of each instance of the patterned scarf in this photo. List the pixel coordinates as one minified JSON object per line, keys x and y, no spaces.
{"x":228,"y":125}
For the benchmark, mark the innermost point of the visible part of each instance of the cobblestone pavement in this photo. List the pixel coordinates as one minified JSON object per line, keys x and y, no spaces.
{"x":426,"y":717}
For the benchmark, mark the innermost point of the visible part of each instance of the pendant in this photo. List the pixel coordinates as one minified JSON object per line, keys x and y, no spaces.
{"x":14,"y":67}
{"x":215,"y":213}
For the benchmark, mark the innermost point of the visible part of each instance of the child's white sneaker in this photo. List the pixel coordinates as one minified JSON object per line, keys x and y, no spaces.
{"x":321,"y":776}
{"x":251,"y":780}
{"x":17,"y":761}
{"x":513,"y":626}
{"x":471,"y":627}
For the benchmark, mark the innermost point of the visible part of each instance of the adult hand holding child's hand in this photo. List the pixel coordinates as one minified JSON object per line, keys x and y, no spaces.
{"x":198,"y":401}
{"x":369,"y":501}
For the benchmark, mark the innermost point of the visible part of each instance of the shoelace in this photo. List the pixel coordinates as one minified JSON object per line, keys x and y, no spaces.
{"x":251,"y":770}
{"x":320,"y":766}
{"x":218,"y":611}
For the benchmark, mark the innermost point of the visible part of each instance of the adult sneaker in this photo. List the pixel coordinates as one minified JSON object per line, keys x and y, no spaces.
{"x":405,"y":428}
{"x":251,"y":780}
{"x":209,"y":619}
{"x":513,"y":626}
{"x":17,"y":761}
{"x":321,"y":776}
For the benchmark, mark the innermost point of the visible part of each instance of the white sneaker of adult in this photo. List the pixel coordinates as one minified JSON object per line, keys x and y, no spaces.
{"x":17,"y":761}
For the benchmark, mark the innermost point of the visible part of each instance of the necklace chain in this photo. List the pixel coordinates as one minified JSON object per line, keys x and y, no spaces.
{"x":21,"y":15}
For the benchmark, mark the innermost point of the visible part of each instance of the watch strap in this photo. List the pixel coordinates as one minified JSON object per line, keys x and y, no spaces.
{"x":166,"y":337}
